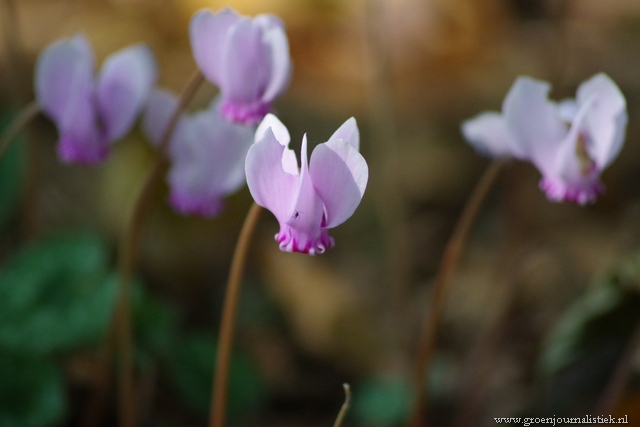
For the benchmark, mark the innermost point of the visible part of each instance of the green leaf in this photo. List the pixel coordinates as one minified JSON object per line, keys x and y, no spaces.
{"x":606,"y":313}
{"x":32,"y":392}
{"x":55,"y":295}
{"x":382,"y":402}
{"x":581,"y":352}
{"x":12,"y":165}
{"x":191,"y":371}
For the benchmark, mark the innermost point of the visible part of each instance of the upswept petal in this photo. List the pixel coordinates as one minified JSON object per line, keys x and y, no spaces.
{"x":289,"y":160}
{"x":270,"y":186}
{"x":349,"y":132}
{"x":606,"y":119}
{"x":279,"y":130}
{"x":160,"y":107}
{"x":208,"y":163}
{"x":280,"y":73}
{"x":64,"y":81}
{"x":123,"y":87}
{"x":83,"y":143}
{"x":534,"y":122}
{"x":489,"y":135}
{"x":302,"y":229}
{"x":208,"y":33}
{"x":339,"y":174}
{"x":245,"y":63}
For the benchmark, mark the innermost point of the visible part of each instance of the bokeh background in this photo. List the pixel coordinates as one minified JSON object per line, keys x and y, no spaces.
{"x":542,"y":305}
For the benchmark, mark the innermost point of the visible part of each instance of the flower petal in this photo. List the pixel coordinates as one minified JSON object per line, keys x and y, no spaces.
{"x":125,"y":82}
{"x":270,"y":186}
{"x":339,"y":174}
{"x":302,"y":231}
{"x":289,"y":160}
{"x":349,"y":132}
{"x":278,"y":45}
{"x":245,"y":63}
{"x":160,"y":107}
{"x":606,"y":119}
{"x":64,"y":81}
{"x":208,"y":33}
{"x":534,"y":122}
{"x":208,"y":163}
{"x":488,"y":134}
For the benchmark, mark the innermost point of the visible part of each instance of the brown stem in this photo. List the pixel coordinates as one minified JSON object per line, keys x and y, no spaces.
{"x":620,"y":376}
{"x":345,"y":406}
{"x":27,"y":114}
{"x":438,"y":300}
{"x":130,"y":247}
{"x":225,"y":343}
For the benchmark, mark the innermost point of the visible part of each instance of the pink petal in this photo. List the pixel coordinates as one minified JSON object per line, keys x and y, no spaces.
{"x":245,"y":64}
{"x":303,"y":230}
{"x":278,"y":45}
{"x":208,"y":33}
{"x":534,"y":123}
{"x":488,"y":134}
{"x":160,"y":107}
{"x":125,"y":82}
{"x":270,"y":186}
{"x":348,"y":132}
{"x":64,"y":82}
{"x":606,"y":119}
{"x":289,"y":160}
{"x":339,"y":174}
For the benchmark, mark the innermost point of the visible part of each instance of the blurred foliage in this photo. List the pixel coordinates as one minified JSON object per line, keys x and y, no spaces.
{"x":12,"y":165}
{"x":54,"y":297}
{"x":585,"y":345}
{"x":382,"y":402}
{"x":32,"y":391}
{"x":189,"y":359}
{"x":191,"y":371}
{"x":58,"y":295}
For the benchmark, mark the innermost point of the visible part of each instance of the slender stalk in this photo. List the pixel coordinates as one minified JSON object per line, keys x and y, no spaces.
{"x":345,"y":406}
{"x":232,"y":295}
{"x":438,"y":301}
{"x":130,"y":247}
{"x":27,"y":114}
{"x":620,"y":376}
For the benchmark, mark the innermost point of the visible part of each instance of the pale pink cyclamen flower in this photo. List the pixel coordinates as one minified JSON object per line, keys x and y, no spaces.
{"x":207,"y":154}
{"x":91,"y":112}
{"x":570,"y":142}
{"x":307,"y":202}
{"x":248,"y":59}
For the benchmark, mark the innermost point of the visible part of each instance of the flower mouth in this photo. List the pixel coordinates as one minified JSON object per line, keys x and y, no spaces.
{"x":248,"y":114}
{"x":293,"y":240}
{"x":585,"y":162}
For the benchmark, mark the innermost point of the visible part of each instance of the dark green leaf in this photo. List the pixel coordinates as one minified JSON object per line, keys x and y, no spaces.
{"x":55,"y":295}
{"x":32,"y":392}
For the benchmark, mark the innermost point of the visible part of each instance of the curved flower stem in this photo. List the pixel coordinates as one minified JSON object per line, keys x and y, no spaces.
{"x":620,"y":376}
{"x":232,"y":295}
{"x":345,"y":406}
{"x":130,"y":246}
{"x":438,"y":300}
{"x":27,"y":114}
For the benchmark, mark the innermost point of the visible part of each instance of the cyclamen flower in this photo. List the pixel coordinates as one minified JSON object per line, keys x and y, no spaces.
{"x":91,"y":112}
{"x":248,"y":59}
{"x":207,"y":154}
{"x":570,"y":143}
{"x":307,"y":202}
